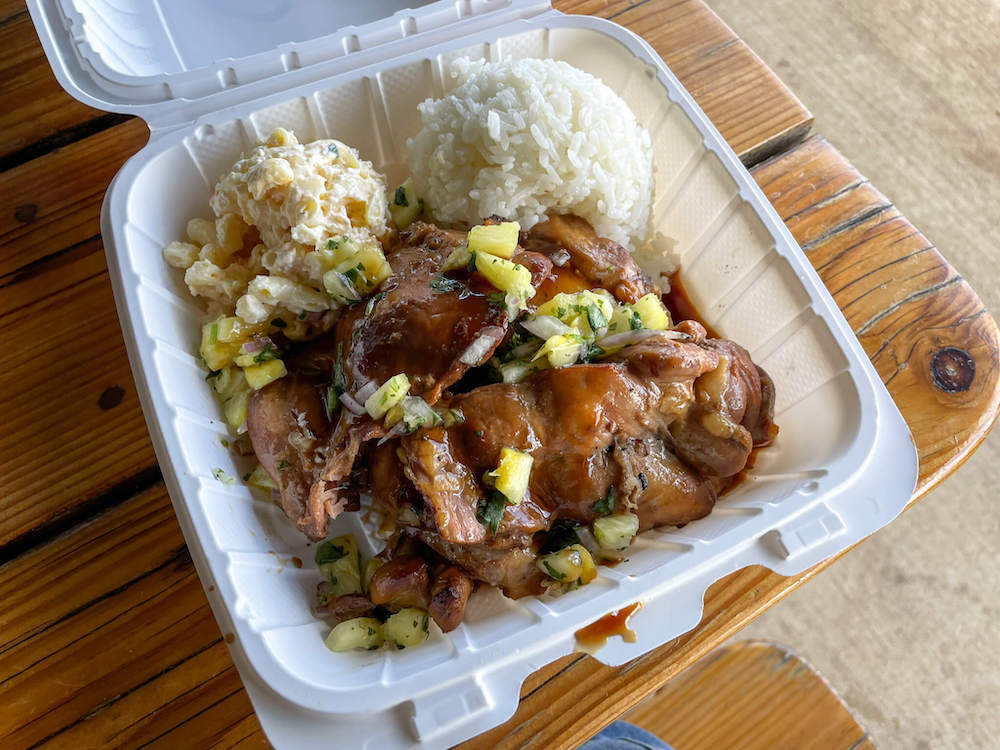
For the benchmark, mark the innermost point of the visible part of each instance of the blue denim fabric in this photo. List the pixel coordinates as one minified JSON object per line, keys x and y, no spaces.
{"x":624,"y":736}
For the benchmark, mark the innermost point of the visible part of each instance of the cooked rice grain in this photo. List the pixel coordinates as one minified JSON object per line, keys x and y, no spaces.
{"x":522,"y":138}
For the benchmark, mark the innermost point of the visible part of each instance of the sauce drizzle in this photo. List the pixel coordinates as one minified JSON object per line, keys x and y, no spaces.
{"x":595,"y":635}
{"x":681,"y":307}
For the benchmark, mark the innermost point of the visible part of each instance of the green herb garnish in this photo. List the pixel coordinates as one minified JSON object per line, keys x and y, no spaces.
{"x":283,"y":465}
{"x":442,"y":284}
{"x":329,"y":552}
{"x":400,"y":198}
{"x":332,"y":148}
{"x":595,"y":316}
{"x":553,"y":572}
{"x":606,"y":505}
{"x":278,"y":323}
{"x":490,"y":510}
{"x":561,"y":535}
{"x":371,"y":302}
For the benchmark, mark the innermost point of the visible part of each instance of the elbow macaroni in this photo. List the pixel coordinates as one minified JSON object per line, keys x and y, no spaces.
{"x":278,"y":211}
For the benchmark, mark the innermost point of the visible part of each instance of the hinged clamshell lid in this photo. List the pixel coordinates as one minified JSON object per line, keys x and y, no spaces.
{"x":170,"y":61}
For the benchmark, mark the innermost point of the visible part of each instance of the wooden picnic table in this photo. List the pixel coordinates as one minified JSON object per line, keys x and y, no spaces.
{"x":106,"y":637}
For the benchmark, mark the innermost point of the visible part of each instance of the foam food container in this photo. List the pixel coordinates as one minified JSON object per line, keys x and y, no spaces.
{"x":213,"y":78}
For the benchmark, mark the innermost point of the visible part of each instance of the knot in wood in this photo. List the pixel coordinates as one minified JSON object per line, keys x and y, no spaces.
{"x":953,"y":369}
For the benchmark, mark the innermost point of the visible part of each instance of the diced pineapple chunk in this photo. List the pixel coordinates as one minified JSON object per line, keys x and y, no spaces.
{"x":594,"y":307}
{"x":623,"y":319}
{"x":652,"y":313}
{"x":216,"y":352}
{"x":572,"y":564}
{"x":506,"y":276}
{"x":260,"y":375}
{"x":616,"y":532}
{"x":459,"y":258}
{"x":561,"y":350}
{"x":405,"y":206}
{"x":510,"y":477}
{"x":356,"y":633}
{"x":390,"y":393}
{"x":235,"y":409}
{"x":496,"y":239}
{"x":260,"y":478}
{"x":408,"y":627}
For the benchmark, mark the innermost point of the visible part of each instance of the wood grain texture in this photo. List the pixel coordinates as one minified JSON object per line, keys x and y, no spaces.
{"x":750,"y":695}
{"x":932,"y":342}
{"x":54,"y":223}
{"x":36,"y":107}
{"x":106,"y":639}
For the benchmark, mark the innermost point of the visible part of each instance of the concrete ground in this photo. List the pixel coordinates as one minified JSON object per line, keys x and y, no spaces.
{"x":907,"y":626}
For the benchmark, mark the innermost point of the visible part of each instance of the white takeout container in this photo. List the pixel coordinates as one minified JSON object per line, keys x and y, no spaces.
{"x":211,"y":79}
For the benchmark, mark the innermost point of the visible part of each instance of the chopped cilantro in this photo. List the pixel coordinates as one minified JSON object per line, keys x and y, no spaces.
{"x":490,"y":510}
{"x":561,"y":535}
{"x":266,"y":355}
{"x":634,"y":321}
{"x":302,"y":315}
{"x":329,"y":552}
{"x":225,"y":443}
{"x":561,"y":312}
{"x":283,"y":465}
{"x":278,"y":323}
{"x":443,"y":284}
{"x":553,"y":572}
{"x":593,"y":352}
{"x":497,"y":299}
{"x":400,"y":198}
{"x":354,"y":275}
{"x":606,"y":505}
{"x":372,"y":301}
{"x":246,"y":477}
{"x":213,"y":374}
{"x":471,"y":267}
{"x":213,"y":335}
{"x":479,"y":433}
{"x":595,"y":316}
{"x":332,"y":148}
{"x":339,"y":379}
{"x":332,"y":244}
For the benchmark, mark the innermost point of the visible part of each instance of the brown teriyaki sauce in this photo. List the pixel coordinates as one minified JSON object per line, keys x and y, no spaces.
{"x":595,"y":635}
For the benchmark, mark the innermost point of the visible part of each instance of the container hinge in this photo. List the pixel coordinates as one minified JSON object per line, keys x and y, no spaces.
{"x":446,"y":709}
{"x":808,"y":531}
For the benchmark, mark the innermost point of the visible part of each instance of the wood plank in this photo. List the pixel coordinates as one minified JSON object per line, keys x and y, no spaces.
{"x":37,"y":106}
{"x":932,"y":342}
{"x":72,"y":424}
{"x":58,"y":196}
{"x":57,"y":213}
{"x":114,"y":643}
{"x":750,"y":695}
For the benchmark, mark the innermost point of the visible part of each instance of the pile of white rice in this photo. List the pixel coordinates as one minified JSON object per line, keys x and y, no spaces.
{"x":522,"y":138}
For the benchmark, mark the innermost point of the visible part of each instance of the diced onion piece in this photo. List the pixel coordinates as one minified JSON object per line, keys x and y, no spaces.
{"x":515,"y":371}
{"x":497,"y":239}
{"x":616,"y":532}
{"x":358,"y":633}
{"x":545,"y":326}
{"x":340,"y":563}
{"x":587,"y":540}
{"x":561,"y":350}
{"x":652,"y":313}
{"x":560,"y":257}
{"x":339,"y":287}
{"x":351,"y":404}
{"x":408,"y":627}
{"x":417,"y":413}
{"x":390,"y":393}
{"x":266,"y":372}
{"x":479,"y":350}
{"x":459,"y":258}
{"x":572,"y":564}
{"x":616,"y":341}
{"x":365,"y":391}
{"x":405,"y":206}
{"x":510,"y":477}
{"x":507,"y":276}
